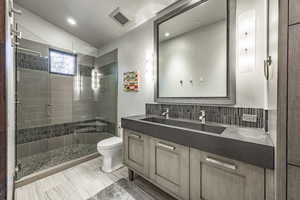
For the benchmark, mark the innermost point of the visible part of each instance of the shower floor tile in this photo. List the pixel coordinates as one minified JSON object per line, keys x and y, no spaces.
{"x":45,"y":160}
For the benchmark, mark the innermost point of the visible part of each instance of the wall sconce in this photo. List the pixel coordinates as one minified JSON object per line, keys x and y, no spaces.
{"x":78,"y":83}
{"x":149,"y":66}
{"x":95,"y":79}
{"x":81,"y":82}
{"x":246,"y":41}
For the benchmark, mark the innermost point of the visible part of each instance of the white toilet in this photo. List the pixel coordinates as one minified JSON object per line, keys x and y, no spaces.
{"x":111,"y":150}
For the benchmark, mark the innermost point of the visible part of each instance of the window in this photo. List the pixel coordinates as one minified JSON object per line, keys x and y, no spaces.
{"x":62,"y":62}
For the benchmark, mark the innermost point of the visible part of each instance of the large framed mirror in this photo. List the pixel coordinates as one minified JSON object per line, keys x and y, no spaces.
{"x":195,"y":53}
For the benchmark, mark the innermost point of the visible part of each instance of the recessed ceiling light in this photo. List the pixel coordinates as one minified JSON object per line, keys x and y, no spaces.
{"x":167,"y":34}
{"x":71,"y":21}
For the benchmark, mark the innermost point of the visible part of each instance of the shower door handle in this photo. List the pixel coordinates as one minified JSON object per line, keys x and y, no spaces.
{"x":13,"y":10}
{"x":267,"y":64}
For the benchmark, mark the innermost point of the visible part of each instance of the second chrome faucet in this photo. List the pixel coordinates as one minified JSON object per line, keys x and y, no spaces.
{"x":166,"y":113}
{"x":202,"y":117}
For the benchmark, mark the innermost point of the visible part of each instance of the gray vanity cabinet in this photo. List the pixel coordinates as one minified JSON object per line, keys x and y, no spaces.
{"x":214,"y":177}
{"x":169,"y":167}
{"x":136,"y":151}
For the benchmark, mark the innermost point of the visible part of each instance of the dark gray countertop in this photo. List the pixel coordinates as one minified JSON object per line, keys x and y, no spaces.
{"x":250,"y":145}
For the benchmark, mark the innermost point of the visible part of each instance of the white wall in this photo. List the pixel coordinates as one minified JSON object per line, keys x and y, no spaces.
{"x":198,"y":56}
{"x":133,"y":51}
{"x":39,"y":30}
{"x":135,"y":48}
{"x":251,"y":86}
{"x":272,"y":86}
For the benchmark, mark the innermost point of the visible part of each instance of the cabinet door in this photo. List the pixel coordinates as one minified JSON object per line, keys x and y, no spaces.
{"x":214,"y":177}
{"x":293,"y":192}
{"x":169,"y":167}
{"x":136,"y":151}
{"x":294,"y":96}
{"x":294,"y":14}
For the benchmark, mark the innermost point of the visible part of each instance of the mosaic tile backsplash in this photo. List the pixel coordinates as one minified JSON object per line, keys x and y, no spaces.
{"x":218,"y":114}
{"x":34,"y":134}
{"x":33,"y":62}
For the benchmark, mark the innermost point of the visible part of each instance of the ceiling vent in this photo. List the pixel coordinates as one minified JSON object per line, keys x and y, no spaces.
{"x":119,"y":17}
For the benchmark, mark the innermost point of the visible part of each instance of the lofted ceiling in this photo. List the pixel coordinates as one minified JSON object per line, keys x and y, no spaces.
{"x":94,"y":25}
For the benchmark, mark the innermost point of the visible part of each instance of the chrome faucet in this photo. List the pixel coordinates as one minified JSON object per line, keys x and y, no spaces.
{"x":166,"y":113}
{"x":202,"y":116}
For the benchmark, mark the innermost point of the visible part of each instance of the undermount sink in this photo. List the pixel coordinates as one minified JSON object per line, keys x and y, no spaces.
{"x":189,"y":125}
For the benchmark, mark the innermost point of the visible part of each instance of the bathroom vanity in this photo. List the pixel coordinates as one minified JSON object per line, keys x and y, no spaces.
{"x":190,"y":160}
{"x":182,"y":153}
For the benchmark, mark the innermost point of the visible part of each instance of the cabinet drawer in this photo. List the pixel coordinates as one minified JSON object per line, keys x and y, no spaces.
{"x":293,"y":183}
{"x":294,"y":11}
{"x":136,"y":151}
{"x":212,"y":177}
{"x":169,"y":167}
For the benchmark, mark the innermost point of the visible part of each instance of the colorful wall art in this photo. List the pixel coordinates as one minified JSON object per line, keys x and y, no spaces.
{"x":131,"y":81}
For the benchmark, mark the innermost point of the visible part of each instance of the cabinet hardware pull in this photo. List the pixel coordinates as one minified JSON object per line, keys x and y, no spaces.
{"x":166,"y":146}
{"x":220,"y":163}
{"x":135,"y":136}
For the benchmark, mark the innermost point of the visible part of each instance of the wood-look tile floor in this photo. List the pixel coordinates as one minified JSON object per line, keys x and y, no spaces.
{"x":77,"y":183}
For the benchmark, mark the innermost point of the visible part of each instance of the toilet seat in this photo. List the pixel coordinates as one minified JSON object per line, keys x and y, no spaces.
{"x":110,"y":143}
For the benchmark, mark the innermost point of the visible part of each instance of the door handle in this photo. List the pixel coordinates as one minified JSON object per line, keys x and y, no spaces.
{"x":166,"y":146}
{"x":14,"y":11}
{"x":221,"y":163}
{"x":267,"y":64}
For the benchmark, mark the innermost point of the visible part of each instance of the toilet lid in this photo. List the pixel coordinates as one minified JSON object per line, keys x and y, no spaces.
{"x":110,"y":143}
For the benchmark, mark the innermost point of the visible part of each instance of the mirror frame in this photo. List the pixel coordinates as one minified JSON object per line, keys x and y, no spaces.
{"x":230,"y":98}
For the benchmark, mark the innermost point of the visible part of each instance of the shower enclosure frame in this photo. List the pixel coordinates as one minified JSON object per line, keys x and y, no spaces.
{"x":49,"y":171}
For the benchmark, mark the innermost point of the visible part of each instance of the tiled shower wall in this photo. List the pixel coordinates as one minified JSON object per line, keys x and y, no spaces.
{"x":107,"y":94}
{"x":219,"y":114}
{"x":46,"y":98}
{"x":45,"y":132}
{"x":52,"y":109}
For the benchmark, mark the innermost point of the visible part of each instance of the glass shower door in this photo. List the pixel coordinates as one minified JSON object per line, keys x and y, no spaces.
{"x":32,"y":105}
